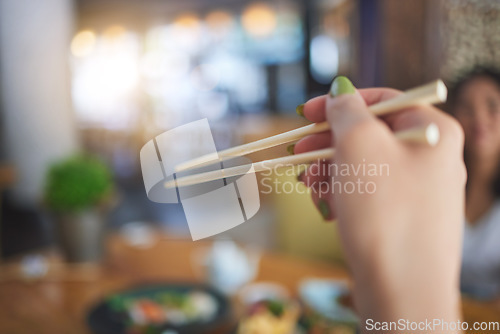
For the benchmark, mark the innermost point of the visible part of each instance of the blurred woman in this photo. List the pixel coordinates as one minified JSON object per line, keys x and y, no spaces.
{"x":476,"y":105}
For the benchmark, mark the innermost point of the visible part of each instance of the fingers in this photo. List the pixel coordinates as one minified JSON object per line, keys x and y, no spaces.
{"x":322,"y":199}
{"x":343,"y":112}
{"x":346,"y":108}
{"x":316,"y":177}
{"x":417,"y":117}
{"x":313,"y":142}
{"x":314,"y":109}
{"x":352,"y":122}
{"x":315,"y":174}
{"x":376,"y":95}
{"x":321,"y":194}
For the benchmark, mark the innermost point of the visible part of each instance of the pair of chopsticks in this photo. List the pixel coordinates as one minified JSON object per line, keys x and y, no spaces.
{"x":434,"y":92}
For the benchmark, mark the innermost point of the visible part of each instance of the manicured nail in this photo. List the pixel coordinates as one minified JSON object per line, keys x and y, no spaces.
{"x":324,"y":209}
{"x":299,"y":177}
{"x":341,"y":85}
{"x":300,"y":110}
{"x":291,"y":149}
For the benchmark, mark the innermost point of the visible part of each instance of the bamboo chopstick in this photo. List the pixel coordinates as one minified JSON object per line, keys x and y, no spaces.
{"x":428,"y":134}
{"x":250,"y":168}
{"x":434,"y":92}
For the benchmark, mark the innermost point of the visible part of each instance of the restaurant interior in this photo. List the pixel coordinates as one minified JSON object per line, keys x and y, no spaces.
{"x":86,"y":84}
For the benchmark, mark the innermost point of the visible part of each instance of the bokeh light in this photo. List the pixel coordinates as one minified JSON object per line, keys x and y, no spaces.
{"x":189,"y":67}
{"x":205,"y":77}
{"x":105,"y":79}
{"x":324,"y":58}
{"x":219,"y":20}
{"x":185,"y":33}
{"x":114,"y":32}
{"x":259,"y":20}
{"x":188,"y":20}
{"x":83,"y":43}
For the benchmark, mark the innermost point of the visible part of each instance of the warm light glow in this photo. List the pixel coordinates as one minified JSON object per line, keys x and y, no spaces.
{"x":188,"y":21}
{"x":219,"y":20}
{"x":83,"y":43}
{"x":114,"y":32}
{"x":107,"y":77}
{"x":153,"y":65}
{"x":104,"y":82}
{"x":186,"y":33}
{"x":259,"y":20}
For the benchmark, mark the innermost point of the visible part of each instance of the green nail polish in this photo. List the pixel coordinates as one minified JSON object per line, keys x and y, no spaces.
{"x":291,"y":149}
{"x":299,"y":177}
{"x":300,"y":110}
{"x":324,"y":209}
{"x":341,"y":85}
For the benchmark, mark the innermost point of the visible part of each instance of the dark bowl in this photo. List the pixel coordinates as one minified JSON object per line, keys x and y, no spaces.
{"x":102,"y":319}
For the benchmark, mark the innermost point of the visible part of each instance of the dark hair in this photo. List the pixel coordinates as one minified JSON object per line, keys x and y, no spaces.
{"x":455,"y":91}
{"x":467,"y":76}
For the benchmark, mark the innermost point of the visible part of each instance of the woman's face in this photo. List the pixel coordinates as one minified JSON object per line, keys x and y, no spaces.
{"x":478,"y":110}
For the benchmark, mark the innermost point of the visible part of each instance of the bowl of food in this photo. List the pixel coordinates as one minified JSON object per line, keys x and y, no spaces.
{"x":269,"y":309}
{"x":270,"y":316}
{"x":328,"y":298}
{"x":162,"y":309}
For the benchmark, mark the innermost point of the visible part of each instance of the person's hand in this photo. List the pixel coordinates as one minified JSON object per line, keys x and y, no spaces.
{"x":399,"y":205}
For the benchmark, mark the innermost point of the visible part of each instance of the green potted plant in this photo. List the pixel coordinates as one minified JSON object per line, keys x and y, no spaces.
{"x":77,"y":194}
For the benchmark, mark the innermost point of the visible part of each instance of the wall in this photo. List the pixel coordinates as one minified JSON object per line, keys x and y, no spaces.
{"x":34,"y":75}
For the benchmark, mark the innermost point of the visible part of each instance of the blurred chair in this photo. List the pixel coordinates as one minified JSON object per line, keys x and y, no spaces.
{"x":299,"y":228}
{"x":7,"y":178}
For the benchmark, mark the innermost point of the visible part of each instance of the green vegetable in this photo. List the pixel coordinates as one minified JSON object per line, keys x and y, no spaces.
{"x":174,"y":299}
{"x":76,"y":183}
{"x":118,"y":303}
{"x":276,"y":308}
{"x":150,"y":329}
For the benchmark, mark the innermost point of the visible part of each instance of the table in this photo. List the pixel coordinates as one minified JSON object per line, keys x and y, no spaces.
{"x":58,"y":303}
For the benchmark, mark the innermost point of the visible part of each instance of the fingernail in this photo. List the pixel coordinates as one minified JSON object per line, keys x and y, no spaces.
{"x":300,"y":110}
{"x":299,"y":177}
{"x":341,"y":85}
{"x":291,"y":149}
{"x":324,"y":209}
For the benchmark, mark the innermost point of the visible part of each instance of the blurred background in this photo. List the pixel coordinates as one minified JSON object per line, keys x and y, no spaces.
{"x":106,"y":76}
{"x":84,"y":84}
{"x":103,"y":77}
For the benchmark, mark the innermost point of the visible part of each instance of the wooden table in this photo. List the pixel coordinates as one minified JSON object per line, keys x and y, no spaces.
{"x":58,"y":303}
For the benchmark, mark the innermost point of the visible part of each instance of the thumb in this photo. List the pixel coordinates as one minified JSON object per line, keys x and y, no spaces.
{"x":345,"y":107}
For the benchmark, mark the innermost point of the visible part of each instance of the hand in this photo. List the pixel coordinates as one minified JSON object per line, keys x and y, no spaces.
{"x":402,"y":234}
